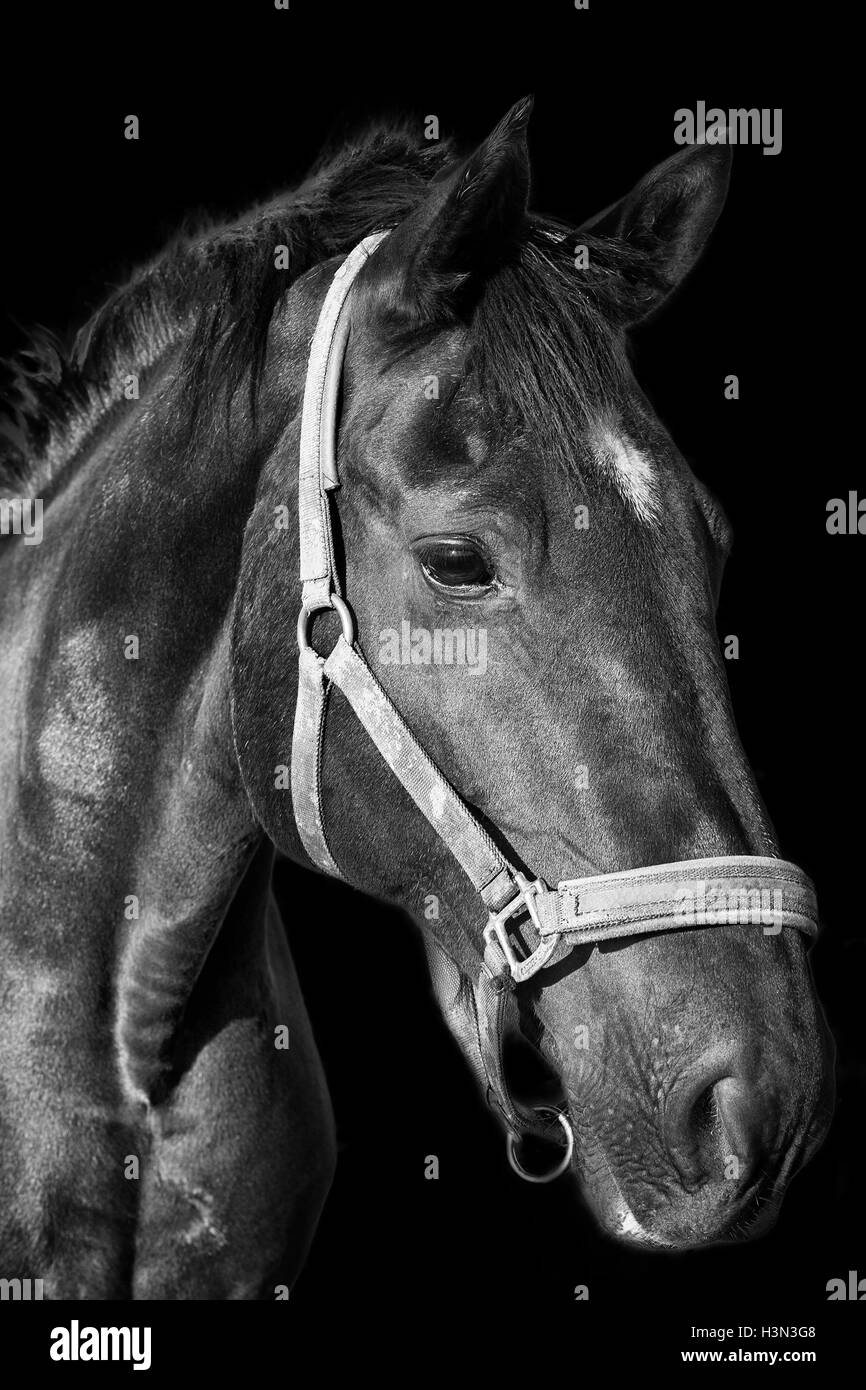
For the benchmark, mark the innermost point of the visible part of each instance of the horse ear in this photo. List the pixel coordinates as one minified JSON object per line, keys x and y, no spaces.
{"x":669,"y":215}
{"x":471,"y":217}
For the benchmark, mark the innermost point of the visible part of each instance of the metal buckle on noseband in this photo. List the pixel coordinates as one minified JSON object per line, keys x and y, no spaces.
{"x":564,"y":1163}
{"x":496,"y":934}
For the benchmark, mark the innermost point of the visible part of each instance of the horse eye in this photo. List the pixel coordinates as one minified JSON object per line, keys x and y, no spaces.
{"x":455,"y":563}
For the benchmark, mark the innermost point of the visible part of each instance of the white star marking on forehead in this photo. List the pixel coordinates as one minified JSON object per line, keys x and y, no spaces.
{"x":630,"y":471}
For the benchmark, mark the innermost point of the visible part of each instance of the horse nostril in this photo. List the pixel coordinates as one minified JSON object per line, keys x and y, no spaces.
{"x":716,"y":1130}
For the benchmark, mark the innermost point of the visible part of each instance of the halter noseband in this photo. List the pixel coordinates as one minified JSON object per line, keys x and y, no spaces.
{"x":663,"y":897}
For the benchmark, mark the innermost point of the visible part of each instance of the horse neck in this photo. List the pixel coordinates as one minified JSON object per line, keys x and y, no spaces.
{"x":127,"y":826}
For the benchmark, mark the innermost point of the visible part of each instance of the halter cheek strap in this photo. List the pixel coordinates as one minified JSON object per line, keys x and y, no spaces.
{"x":734,"y":889}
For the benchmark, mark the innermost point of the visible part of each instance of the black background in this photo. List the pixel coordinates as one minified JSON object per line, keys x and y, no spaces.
{"x":234,"y":102}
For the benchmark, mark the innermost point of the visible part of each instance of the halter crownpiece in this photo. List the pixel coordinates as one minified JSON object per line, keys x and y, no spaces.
{"x":733,"y":889}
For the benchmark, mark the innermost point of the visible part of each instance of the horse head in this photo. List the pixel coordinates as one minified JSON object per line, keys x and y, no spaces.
{"x":532,"y":570}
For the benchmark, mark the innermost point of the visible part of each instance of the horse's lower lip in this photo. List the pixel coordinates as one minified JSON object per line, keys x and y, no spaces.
{"x":753,"y":1220}
{"x":633,"y":1233}
{"x":614,"y":1214}
{"x":625,"y":1227}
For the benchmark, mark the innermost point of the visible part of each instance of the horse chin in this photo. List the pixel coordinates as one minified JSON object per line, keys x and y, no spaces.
{"x":683,"y":1221}
{"x":618,"y":1220}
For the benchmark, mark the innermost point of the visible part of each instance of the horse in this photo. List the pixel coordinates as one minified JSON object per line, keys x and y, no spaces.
{"x":533,"y":569}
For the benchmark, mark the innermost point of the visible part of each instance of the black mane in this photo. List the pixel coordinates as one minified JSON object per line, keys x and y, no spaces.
{"x":543,"y":345}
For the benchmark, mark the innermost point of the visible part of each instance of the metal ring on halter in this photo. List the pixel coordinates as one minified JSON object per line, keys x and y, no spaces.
{"x":563,"y":1163}
{"x":340,"y":607}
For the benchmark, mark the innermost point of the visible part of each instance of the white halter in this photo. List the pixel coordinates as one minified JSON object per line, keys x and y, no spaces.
{"x":664,"y":897}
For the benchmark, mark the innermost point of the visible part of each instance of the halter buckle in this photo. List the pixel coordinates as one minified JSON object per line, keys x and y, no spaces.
{"x":496,"y":933}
